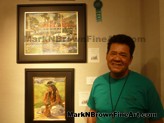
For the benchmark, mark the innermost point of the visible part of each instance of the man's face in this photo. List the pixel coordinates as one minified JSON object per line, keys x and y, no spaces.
{"x":118,"y":59}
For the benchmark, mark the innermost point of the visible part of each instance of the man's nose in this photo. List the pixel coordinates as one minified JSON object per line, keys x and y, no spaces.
{"x":117,"y":57}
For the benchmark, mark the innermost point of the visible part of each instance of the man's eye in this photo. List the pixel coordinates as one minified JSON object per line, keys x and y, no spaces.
{"x":113,"y":53}
{"x":123,"y":55}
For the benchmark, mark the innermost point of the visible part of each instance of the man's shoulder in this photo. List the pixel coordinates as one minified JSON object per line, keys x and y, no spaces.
{"x":138,"y":75}
{"x":139,"y":78}
{"x":102,"y":78}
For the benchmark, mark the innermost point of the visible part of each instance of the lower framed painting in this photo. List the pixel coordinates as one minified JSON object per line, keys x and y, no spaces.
{"x":49,"y":95}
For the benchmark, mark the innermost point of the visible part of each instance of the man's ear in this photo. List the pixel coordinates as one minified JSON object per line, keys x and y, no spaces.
{"x":131,"y":59}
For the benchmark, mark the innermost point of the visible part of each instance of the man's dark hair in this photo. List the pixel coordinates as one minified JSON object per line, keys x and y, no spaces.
{"x":122,"y":39}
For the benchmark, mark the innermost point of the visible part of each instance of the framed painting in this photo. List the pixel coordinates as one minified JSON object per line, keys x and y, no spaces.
{"x":51,"y":33}
{"x":49,"y":95}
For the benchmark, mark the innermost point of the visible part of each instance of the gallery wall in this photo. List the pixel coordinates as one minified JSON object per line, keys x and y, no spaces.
{"x":161,"y":6}
{"x":151,"y":49}
{"x":137,"y":18}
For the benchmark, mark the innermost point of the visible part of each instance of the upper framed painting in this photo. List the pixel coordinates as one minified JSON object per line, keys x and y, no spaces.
{"x":52,"y":33}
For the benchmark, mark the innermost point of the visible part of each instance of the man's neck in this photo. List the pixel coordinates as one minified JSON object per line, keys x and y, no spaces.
{"x":119,"y":75}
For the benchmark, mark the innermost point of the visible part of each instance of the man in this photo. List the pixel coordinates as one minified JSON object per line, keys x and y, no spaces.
{"x":124,"y":96}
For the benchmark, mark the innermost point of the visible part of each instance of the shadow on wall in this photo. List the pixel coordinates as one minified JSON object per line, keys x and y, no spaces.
{"x":151,"y":69}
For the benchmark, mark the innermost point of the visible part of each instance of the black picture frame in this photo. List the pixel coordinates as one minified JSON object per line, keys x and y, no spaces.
{"x":51,"y":33}
{"x":36,"y":80}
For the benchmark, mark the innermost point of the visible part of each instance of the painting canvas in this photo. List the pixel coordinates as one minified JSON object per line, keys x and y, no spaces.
{"x":51,"y":33}
{"x":49,"y":98}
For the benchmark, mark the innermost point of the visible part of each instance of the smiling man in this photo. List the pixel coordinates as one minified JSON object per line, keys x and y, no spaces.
{"x":124,"y":95}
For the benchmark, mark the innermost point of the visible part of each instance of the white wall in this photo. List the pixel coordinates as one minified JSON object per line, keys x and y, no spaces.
{"x":118,"y":17}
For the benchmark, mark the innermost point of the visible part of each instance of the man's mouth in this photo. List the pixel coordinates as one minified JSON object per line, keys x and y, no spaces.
{"x":117,"y":64}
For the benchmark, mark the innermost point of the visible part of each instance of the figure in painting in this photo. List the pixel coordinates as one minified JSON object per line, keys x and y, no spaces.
{"x":52,"y":101}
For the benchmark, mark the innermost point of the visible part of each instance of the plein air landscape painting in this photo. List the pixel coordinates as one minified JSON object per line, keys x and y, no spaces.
{"x":49,"y":98}
{"x":51,"y":33}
